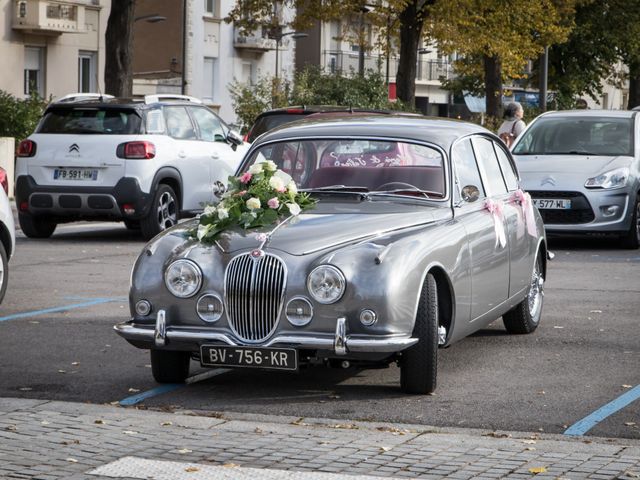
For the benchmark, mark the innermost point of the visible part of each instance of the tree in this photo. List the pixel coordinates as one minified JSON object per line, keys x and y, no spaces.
{"x":118,"y":76}
{"x":391,"y":17}
{"x":503,"y":36}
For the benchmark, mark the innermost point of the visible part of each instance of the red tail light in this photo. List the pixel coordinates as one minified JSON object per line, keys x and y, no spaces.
{"x":136,"y":150}
{"x":4,"y":181}
{"x":27,"y":148}
{"x":295,"y":110}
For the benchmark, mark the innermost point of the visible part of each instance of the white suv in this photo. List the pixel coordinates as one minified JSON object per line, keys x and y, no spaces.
{"x":7,"y":233}
{"x":147,"y":162}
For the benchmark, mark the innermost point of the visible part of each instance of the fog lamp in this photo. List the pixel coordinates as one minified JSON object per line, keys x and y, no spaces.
{"x":209,"y":308}
{"x":299,"y":311}
{"x":368,"y":317}
{"x":609,"y":210}
{"x":143,"y":308}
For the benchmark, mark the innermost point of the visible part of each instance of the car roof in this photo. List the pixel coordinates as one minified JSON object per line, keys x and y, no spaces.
{"x":590,"y":113}
{"x":439,"y":131}
{"x":76,"y":100}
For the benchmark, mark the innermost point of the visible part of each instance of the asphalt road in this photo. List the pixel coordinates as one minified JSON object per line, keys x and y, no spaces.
{"x":66,"y":293}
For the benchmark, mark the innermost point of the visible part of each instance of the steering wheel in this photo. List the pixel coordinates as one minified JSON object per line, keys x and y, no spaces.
{"x":397,"y":186}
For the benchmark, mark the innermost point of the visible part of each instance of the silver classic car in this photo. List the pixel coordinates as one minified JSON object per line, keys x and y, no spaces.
{"x":420,"y":235}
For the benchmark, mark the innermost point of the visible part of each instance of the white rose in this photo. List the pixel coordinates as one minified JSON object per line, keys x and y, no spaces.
{"x":270,"y":166}
{"x":223,"y":213}
{"x":285,"y":177}
{"x":294,"y":208}
{"x":253,"y":203}
{"x":292,"y":187}
{"x":209,"y":210}
{"x":276,"y":183}
{"x":255,"y":168}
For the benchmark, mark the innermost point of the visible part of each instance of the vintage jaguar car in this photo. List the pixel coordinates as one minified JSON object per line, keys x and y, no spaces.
{"x":420,"y":236}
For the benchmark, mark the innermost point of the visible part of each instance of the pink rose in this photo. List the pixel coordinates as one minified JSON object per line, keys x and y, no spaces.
{"x":246,"y":177}
{"x":273,"y":203}
{"x":241,"y":193}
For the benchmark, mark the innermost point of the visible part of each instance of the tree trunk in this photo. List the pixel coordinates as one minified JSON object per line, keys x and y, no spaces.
{"x":118,"y":77}
{"x":634,"y":85}
{"x":493,"y":85}
{"x":411,"y":23}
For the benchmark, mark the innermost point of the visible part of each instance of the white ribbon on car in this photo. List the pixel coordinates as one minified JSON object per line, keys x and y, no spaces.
{"x":495,"y":209}
{"x":524,"y":199}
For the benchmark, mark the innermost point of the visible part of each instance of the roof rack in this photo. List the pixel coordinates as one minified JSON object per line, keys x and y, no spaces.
{"x":79,"y":97}
{"x":169,"y":96}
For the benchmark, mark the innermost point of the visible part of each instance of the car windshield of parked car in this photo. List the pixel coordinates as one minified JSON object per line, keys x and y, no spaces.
{"x":105,"y":121}
{"x":572,"y":135}
{"x":358,"y":165}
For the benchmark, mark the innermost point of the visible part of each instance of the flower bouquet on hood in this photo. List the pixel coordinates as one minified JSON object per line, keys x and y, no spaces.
{"x":259,"y":197}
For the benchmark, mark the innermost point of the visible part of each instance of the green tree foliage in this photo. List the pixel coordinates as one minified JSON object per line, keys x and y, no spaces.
{"x":496,"y":39}
{"x":19,"y":117}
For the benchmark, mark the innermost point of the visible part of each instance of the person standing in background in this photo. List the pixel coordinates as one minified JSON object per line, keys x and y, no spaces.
{"x":513,"y":125}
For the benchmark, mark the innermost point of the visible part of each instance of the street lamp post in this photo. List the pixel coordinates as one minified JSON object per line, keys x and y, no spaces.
{"x":278,"y":36}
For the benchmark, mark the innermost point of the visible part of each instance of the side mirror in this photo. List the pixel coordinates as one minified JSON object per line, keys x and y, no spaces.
{"x":470,"y":193}
{"x":234,"y":139}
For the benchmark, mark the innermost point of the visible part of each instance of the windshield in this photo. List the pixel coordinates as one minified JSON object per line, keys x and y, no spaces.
{"x":91,"y":121}
{"x":606,"y":136}
{"x":359,"y":165}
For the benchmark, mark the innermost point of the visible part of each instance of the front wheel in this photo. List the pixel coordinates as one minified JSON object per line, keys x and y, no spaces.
{"x":4,"y":271}
{"x":631,"y":239}
{"x":419,"y":363}
{"x":525,"y":317}
{"x":163,"y":213}
{"x":170,"y":366}
{"x":35,"y":227}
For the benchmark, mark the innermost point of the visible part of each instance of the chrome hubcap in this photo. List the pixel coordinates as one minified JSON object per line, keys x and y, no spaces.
{"x":536,"y":292}
{"x":167,"y":211}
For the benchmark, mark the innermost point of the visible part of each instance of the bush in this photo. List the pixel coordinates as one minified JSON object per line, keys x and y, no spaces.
{"x":18,"y":118}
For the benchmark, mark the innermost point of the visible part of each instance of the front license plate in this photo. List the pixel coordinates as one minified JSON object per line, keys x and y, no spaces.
{"x":225,"y":356}
{"x":75,"y":174}
{"x":552,"y":203}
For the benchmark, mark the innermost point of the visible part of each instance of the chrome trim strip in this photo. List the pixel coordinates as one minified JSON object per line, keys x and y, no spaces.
{"x":160,"y":333}
{"x":381,"y":345}
{"x":340,"y":340}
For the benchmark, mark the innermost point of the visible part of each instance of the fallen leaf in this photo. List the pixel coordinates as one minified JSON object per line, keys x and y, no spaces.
{"x":35,"y":322}
{"x":334,"y":396}
{"x":99,"y":422}
{"x":537,"y":470}
{"x":257,"y":430}
{"x":530,"y":449}
{"x":595,"y":311}
{"x":299,"y":422}
{"x":70,"y":442}
{"x":497,"y":435}
{"x":62,"y":371}
{"x":631,"y":474}
{"x":11,"y":428}
{"x":385,"y":449}
{"x":627,"y":386}
{"x":75,"y":364}
{"x":166,"y":424}
{"x":542,"y":392}
{"x":395,"y":431}
{"x":347,"y":426}
{"x":185,"y":450}
{"x":44,"y":422}
{"x":72,"y":460}
{"x":529,"y":442}
{"x":557,"y":326}
{"x":230,"y":465}
{"x":134,"y":390}
{"x":129,"y":432}
{"x":25,"y":389}
{"x":630,"y":424}
{"x":192,"y":469}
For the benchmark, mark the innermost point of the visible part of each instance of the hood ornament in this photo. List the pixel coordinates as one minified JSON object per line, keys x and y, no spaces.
{"x":257,"y":254}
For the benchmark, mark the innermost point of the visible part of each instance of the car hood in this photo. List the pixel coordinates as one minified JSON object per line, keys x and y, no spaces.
{"x":314,"y":232}
{"x":588,"y":165}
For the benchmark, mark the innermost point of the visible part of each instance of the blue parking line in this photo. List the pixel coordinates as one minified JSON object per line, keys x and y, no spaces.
{"x":135,"y":399}
{"x":63,"y":308}
{"x":587,"y":423}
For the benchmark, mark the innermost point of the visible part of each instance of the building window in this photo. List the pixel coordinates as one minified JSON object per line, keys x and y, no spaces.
{"x":86,"y":72}
{"x":248,"y":73}
{"x":210,"y":7}
{"x":208,"y":91}
{"x":33,"y":71}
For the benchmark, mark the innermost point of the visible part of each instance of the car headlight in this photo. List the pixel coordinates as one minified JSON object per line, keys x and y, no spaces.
{"x":326,"y":284}
{"x":612,"y":179}
{"x":183,"y":278}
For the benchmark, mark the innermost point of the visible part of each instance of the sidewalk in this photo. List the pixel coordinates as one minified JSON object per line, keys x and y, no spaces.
{"x":45,"y":440}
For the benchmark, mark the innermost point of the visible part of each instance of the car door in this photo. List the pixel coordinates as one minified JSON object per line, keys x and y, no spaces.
{"x":223,"y":159}
{"x":488,"y":259}
{"x":193,"y":160}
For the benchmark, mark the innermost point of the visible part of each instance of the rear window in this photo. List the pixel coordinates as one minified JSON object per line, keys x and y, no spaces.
{"x":91,"y":121}
{"x":269,"y":122}
{"x":570,"y":135}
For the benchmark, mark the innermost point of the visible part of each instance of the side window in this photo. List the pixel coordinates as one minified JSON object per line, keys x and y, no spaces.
{"x":209,"y":125}
{"x":178,"y":123}
{"x":507,"y":168}
{"x":465,"y":167}
{"x":155,"y":121}
{"x":489,"y":166}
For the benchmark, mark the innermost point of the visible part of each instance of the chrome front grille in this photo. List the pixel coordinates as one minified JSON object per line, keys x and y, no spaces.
{"x":254,"y":294}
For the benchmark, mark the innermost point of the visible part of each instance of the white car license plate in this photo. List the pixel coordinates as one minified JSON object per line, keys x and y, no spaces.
{"x":552,"y":203}
{"x":272,"y":358}
{"x":75,"y":174}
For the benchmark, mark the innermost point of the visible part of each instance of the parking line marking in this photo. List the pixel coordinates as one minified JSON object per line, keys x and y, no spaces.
{"x":170,"y":387}
{"x":63,"y":308}
{"x":587,"y":423}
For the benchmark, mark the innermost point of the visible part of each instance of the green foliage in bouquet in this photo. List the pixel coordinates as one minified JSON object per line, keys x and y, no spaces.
{"x":258,"y":198}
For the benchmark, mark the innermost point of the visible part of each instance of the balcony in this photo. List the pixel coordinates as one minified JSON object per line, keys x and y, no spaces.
{"x":44,"y":17}
{"x":258,"y":41}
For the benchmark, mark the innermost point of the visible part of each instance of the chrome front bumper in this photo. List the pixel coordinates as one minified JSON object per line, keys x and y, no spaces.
{"x":340,"y":344}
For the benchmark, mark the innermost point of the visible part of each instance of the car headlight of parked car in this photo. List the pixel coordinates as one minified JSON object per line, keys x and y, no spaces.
{"x":612,"y":179}
{"x":183,"y":278}
{"x":326,"y":284}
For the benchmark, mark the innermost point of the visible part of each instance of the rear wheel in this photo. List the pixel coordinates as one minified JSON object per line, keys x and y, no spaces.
{"x":525,"y":317}
{"x":163,"y":213}
{"x":419,"y":363}
{"x":4,"y":271}
{"x":170,"y":366}
{"x":36,"y":227}
{"x":632,"y":238}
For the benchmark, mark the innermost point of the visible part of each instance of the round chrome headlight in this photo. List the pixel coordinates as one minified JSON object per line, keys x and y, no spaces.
{"x":209,"y":308}
{"x":326,"y":284}
{"x":299,"y":311}
{"x":183,"y":278}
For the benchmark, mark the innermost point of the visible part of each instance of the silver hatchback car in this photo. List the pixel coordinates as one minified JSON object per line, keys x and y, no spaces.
{"x":582,"y":169}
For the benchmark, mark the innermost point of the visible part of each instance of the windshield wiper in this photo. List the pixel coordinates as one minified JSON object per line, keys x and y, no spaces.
{"x":405,"y":191}
{"x":338,"y":188}
{"x":579,"y":152}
